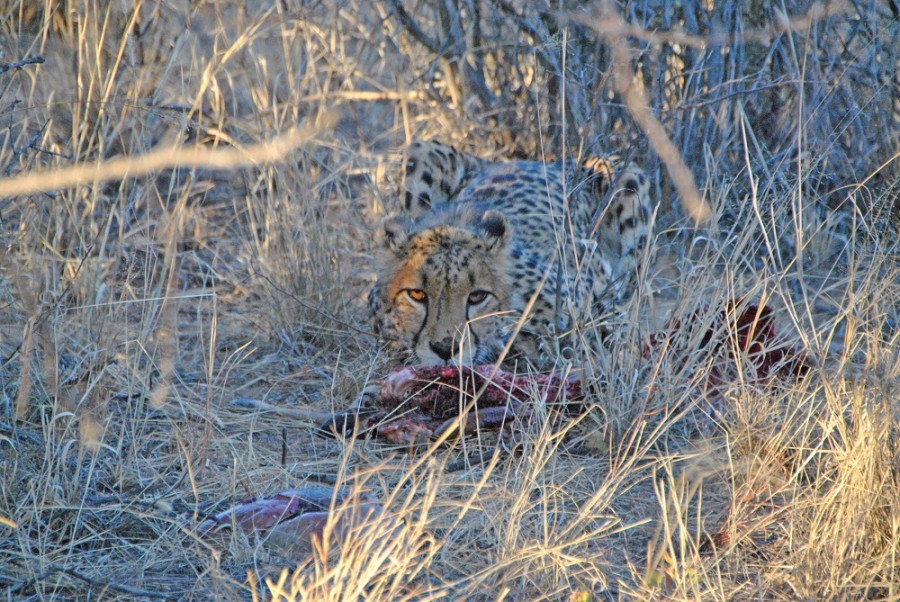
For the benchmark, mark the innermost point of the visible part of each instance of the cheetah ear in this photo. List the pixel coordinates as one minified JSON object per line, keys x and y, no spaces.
{"x":493,"y":227}
{"x":394,"y":232}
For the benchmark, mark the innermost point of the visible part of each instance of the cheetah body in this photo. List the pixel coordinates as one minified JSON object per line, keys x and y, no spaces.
{"x":481,"y":244}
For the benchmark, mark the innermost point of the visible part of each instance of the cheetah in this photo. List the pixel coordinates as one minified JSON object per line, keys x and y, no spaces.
{"x":492,"y":260}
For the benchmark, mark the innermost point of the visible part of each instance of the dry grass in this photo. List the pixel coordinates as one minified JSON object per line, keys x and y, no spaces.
{"x":133,"y":311}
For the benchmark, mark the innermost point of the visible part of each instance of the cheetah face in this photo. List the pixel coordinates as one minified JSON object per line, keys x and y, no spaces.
{"x":443,"y":294}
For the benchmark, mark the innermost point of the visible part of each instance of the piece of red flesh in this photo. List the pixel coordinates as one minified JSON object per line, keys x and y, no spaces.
{"x":442,"y":391}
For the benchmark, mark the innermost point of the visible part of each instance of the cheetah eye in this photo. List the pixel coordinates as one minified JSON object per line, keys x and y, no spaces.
{"x":417,"y":295}
{"x":476,"y":297}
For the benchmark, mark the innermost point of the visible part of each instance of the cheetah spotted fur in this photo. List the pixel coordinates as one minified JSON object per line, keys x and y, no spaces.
{"x":479,"y":243}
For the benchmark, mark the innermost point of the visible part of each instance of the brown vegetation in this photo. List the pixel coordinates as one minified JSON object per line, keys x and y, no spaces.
{"x":185,"y":213}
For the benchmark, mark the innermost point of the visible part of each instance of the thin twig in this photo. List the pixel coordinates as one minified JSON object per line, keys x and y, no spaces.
{"x":115,"y":586}
{"x":547,"y":58}
{"x":324,"y":314}
{"x":94,"y":582}
{"x":366,"y":96}
{"x":297,"y":413}
{"x":34,"y":60}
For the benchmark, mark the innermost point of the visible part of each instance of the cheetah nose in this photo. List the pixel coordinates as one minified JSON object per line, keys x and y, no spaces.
{"x":443,"y":349}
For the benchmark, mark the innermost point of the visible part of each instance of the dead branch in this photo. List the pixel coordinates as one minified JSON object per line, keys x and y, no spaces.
{"x":611,"y":26}
{"x":413,"y":28}
{"x":164,"y":158}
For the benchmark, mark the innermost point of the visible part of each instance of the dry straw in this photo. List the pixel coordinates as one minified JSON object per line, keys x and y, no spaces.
{"x":173,"y":321}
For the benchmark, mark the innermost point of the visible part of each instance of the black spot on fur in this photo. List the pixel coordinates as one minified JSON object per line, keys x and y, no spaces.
{"x":425,"y":199}
{"x":427,"y":178}
{"x":507,"y":177}
{"x":627,"y":224}
{"x":630,"y":184}
{"x":408,"y":201}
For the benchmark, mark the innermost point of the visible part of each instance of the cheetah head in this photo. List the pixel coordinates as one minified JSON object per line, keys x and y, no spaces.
{"x":443,"y":294}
